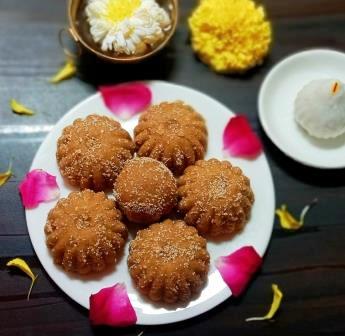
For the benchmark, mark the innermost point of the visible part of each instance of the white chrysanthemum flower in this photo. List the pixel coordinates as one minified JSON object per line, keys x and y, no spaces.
{"x":127,"y":26}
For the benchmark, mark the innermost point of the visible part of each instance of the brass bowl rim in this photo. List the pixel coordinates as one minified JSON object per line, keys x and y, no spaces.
{"x":131,"y":59}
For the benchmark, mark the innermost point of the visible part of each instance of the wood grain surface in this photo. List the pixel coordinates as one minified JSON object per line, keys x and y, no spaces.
{"x":309,"y":265}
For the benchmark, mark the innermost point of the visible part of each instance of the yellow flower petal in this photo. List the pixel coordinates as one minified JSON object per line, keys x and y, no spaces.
{"x":288,"y":221}
{"x":4,"y":177}
{"x":277,"y":298}
{"x":65,"y":72}
{"x":19,"y":108}
{"x":23,"y":266}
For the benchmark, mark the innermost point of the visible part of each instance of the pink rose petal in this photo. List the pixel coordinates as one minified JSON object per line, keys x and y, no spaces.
{"x":111,"y":306}
{"x":38,"y":186}
{"x":239,"y":140}
{"x":237,"y":268}
{"x":125,"y":100}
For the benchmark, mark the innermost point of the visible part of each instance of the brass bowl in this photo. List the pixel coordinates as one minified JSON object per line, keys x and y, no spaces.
{"x":79,"y":31}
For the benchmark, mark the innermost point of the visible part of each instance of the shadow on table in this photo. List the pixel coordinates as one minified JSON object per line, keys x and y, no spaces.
{"x":313,"y":176}
{"x":97,"y":72}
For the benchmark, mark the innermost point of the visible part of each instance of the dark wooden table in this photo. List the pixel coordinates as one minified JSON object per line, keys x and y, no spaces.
{"x":308,"y":265}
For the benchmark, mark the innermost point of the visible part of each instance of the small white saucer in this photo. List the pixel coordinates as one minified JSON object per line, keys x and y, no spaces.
{"x":276,"y":107}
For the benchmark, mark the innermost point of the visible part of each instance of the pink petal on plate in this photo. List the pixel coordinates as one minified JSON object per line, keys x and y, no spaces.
{"x":237,"y":268}
{"x":38,"y":186}
{"x":239,"y":140}
{"x":126,"y":100}
{"x":111,"y":306}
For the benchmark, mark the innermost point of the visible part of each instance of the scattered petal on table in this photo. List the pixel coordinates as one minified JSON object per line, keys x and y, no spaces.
{"x":23,"y":266}
{"x":288,"y":221}
{"x":38,"y":186}
{"x":238,"y":268}
{"x":67,"y":71}
{"x":5,"y":176}
{"x":19,"y":108}
{"x":111,"y":306}
{"x":239,"y":140}
{"x":126,"y":100}
{"x":277,"y":298}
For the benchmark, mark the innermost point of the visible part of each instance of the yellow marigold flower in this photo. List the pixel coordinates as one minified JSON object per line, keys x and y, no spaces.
{"x":230,"y":35}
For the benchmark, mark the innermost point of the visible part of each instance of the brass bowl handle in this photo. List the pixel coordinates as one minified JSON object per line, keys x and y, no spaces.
{"x":69,"y":32}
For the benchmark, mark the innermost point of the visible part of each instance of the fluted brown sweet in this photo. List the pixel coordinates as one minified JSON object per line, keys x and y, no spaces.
{"x":169,"y":262}
{"x":84,"y":232}
{"x":145,"y":190}
{"x":92,"y":151}
{"x":173,"y":133}
{"x":215,"y":197}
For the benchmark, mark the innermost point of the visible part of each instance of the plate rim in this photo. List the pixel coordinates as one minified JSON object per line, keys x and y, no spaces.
{"x":263,"y":120}
{"x":216,"y":299}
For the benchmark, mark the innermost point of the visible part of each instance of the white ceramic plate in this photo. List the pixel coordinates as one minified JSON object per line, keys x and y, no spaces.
{"x":276,"y":107}
{"x":256,"y":233}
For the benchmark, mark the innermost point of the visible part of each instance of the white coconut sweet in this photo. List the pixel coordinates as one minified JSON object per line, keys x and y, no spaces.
{"x":320,"y":108}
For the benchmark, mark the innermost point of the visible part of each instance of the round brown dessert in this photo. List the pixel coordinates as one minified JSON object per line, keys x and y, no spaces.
{"x":84,"y":232}
{"x":168,"y":261}
{"x":92,"y":151}
{"x":145,"y":190}
{"x":173,"y":133}
{"x":215,"y":197}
